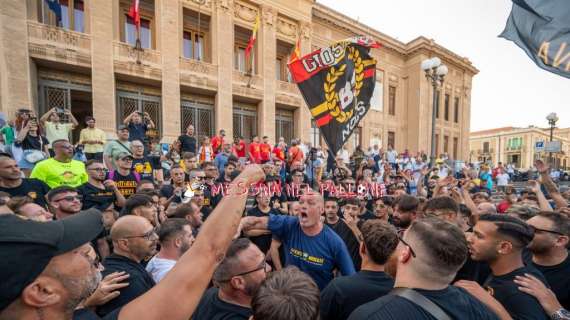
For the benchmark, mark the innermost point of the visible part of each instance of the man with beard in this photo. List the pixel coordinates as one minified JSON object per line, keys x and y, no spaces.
{"x":550,"y":254}
{"x":343,"y":230}
{"x":47,"y":268}
{"x":344,"y":294}
{"x":64,"y":202}
{"x":500,"y":240}
{"x":174,"y":191}
{"x":61,"y":170}
{"x":405,"y":212}
{"x":428,"y":256}
{"x":237,"y":278}
{"x":141,"y":205}
{"x":309,"y":245}
{"x":11,"y":181}
{"x":134,"y":239}
{"x":99,"y":192}
{"x":191,"y":213}
{"x":175,"y":238}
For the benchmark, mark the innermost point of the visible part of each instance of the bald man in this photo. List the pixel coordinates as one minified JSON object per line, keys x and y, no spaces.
{"x":133,"y":240}
{"x":309,"y":244}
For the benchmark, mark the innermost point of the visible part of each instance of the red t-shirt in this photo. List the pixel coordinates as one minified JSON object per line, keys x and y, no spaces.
{"x":255,"y":152}
{"x":503,"y":206}
{"x":279,"y":153}
{"x":239,"y":150}
{"x":217,"y":143}
{"x":265,"y":150}
{"x":296,"y":154}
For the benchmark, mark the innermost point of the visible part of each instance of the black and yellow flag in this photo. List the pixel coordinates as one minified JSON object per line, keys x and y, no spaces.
{"x":337,"y":83}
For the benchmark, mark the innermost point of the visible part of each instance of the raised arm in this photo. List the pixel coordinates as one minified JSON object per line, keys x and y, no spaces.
{"x":191,"y":275}
{"x":46,"y":116}
{"x":550,"y":186}
{"x":128,"y":118}
{"x":150,"y":124}
{"x":542,"y":201}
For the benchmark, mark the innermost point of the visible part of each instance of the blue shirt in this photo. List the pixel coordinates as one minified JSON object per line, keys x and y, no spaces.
{"x":137,"y":131}
{"x":220,"y":162}
{"x":317,"y":255}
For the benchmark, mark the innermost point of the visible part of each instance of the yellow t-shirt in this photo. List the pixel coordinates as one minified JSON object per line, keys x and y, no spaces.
{"x":55,"y":173}
{"x":94,"y":134}
{"x":57,"y":131}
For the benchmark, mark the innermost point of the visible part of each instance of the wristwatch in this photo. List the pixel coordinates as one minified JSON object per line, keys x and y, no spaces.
{"x":561,"y":314}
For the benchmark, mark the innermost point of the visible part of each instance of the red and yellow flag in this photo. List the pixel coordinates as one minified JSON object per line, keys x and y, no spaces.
{"x":251,"y":41}
{"x":296,"y":54}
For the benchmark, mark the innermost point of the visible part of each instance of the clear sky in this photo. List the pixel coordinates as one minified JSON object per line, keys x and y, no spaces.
{"x":510,"y":90}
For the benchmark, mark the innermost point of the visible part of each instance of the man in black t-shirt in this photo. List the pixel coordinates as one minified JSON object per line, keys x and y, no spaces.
{"x":142,"y":164}
{"x":125,"y":178}
{"x":429,"y":254}
{"x":343,"y":230}
{"x":173,"y":192}
{"x":499,"y":239}
{"x":550,"y":254}
{"x":188,"y":141}
{"x":261,"y":238}
{"x":98,"y":192}
{"x":237,"y":278}
{"x":344,"y":294}
{"x":11,"y":181}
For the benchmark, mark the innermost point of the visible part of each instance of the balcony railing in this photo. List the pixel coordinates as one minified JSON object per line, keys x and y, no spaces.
{"x":57,"y":44}
{"x":145,"y":63}
{"x":251,"y":81}
{"x":287,"y":87}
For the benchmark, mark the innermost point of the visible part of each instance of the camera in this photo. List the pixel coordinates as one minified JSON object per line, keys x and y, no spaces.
{"x":59,"y":110}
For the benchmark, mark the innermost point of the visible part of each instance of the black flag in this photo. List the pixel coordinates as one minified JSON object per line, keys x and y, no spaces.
{"x":542,"y":29}
{"x":337,"y":83}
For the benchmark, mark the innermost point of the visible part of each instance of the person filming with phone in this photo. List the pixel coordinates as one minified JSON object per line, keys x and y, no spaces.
{"x":55,"y":129}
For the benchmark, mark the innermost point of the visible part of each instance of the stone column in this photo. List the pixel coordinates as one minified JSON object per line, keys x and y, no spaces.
{"x":223,"y":44}
{"x":170,"y":37}
{"x":102,"y":70}
{"x":267,"y":41}
{"x":303,"y":115}
{"x":15,"y":89}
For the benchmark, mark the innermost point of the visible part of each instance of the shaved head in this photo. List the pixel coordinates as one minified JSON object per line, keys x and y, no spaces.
{"x":128,"y":226}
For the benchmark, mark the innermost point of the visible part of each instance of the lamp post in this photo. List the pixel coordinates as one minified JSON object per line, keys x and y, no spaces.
{"x":552,"y":119}
{"x":435,"y":72}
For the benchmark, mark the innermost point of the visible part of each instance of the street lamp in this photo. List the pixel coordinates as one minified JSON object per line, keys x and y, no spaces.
{"x":552,"y":119}
{"x":435,"y":72}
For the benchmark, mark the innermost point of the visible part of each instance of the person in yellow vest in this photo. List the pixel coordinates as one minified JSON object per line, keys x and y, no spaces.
{"x":93,"y":139}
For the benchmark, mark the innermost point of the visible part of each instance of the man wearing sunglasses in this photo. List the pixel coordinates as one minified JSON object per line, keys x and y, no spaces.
{"x":98,"y":191}
{"x":134,"y":239}
{"x":550,"y":254}
{"x":61,"y":170}
{"x":64,"y":202}
{"x":238,"y":277}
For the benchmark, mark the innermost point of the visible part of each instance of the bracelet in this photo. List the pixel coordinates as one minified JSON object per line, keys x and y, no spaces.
{"x":560,"y":314}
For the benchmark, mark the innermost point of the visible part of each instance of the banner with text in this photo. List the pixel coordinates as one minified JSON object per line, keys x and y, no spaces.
{"x":337,"y":83}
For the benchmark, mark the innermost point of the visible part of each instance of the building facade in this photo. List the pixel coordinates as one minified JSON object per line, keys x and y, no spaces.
{"x":192,"y":68}
{"x":518,"y":146}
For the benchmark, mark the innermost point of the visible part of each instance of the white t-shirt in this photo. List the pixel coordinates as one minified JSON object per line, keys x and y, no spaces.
{"x":158,"y":267}
{"x":503,"y":179}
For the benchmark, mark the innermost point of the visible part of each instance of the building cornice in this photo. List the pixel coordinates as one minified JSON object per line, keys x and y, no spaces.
{"x":512,"y":132}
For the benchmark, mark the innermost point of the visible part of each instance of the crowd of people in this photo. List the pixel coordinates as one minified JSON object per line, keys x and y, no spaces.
{"x":219,"y":228}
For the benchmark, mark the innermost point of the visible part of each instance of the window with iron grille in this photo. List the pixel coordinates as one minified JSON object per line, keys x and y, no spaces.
{"x":446,"y":144}
{"x":245,"y":121}
{"x":284,"y":124}
{"x":392,"y":139}
{"x":129,"y":102}
{"x":455,"y":146}
{"x":315,"y":134}
{"x":198,"y":114}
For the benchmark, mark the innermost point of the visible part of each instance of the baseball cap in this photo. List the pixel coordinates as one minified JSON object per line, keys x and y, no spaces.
{"x":122,"y":127}
{"x":27,"y":247}
{"x":122,"y":155}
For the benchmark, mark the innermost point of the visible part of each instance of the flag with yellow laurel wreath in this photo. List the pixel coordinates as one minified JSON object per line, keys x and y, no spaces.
{"x":337,"y":83}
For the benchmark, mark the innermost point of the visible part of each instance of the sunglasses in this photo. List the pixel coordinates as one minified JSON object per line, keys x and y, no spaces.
{"x":407,"y":245}
{"x":547,"y":231}
{"x":262,"y":266}
{"x":69,"y":198}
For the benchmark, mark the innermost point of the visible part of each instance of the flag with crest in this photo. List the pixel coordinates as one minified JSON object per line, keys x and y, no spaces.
{"x":337,"y":83}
